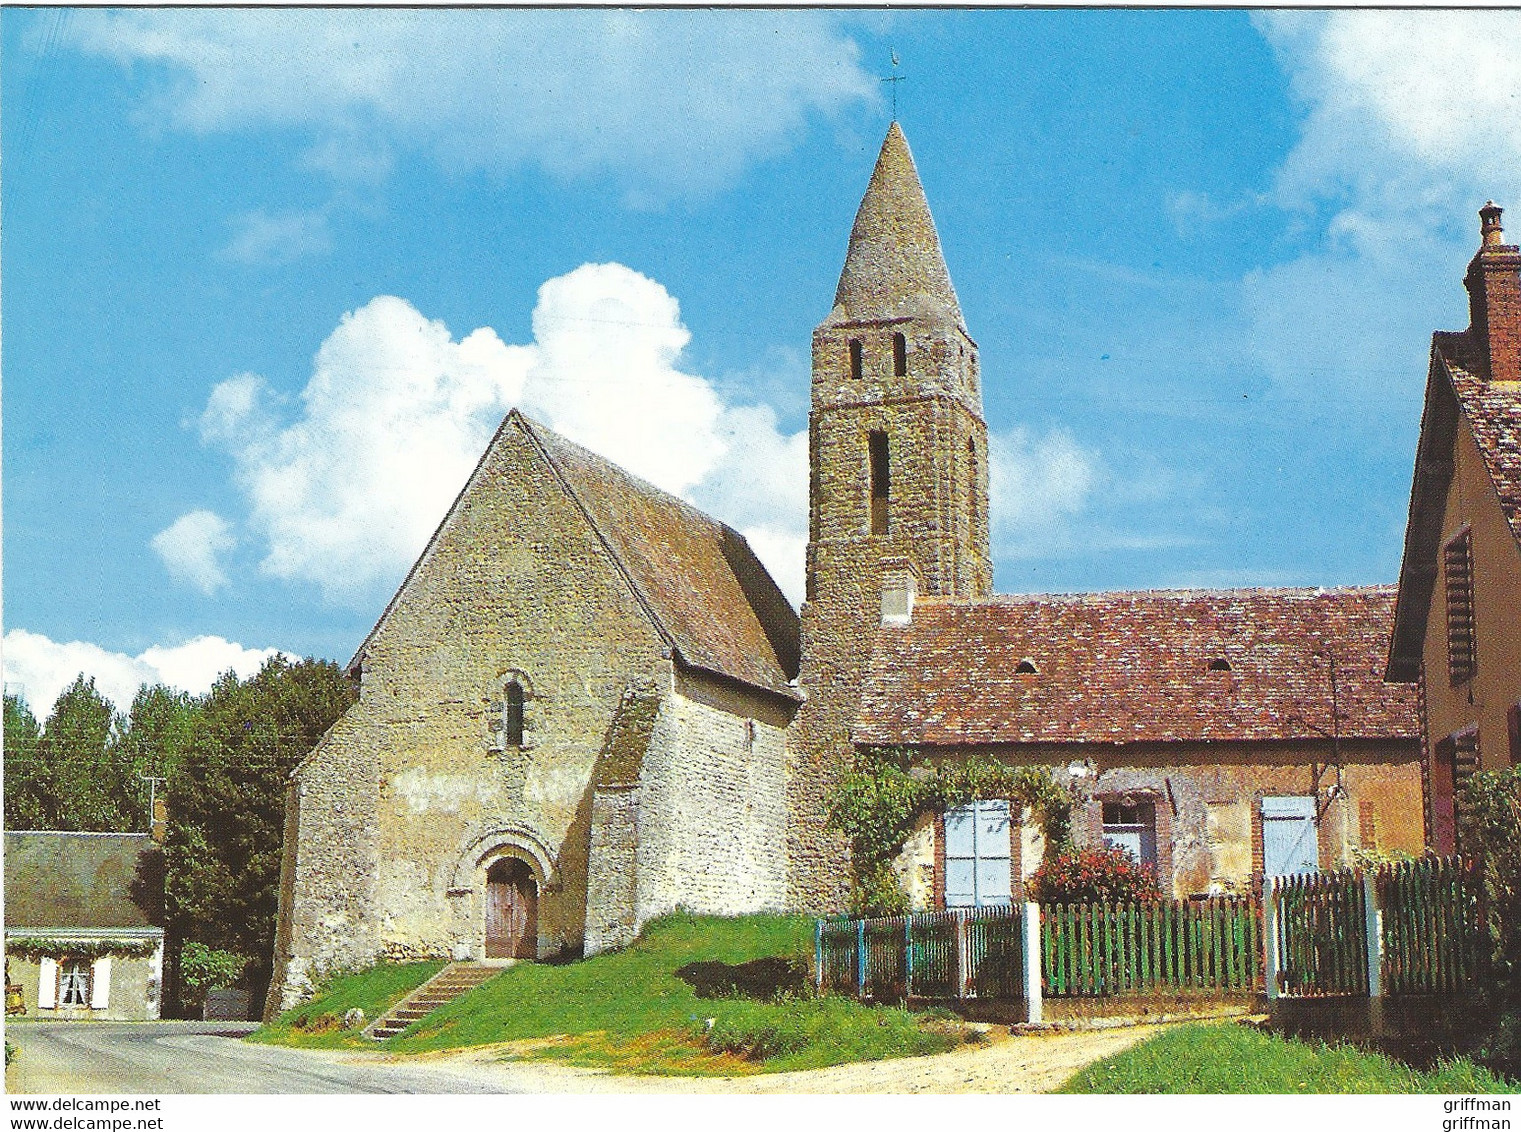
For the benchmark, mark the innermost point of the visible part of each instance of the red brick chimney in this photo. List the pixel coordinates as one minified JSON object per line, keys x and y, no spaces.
{"x":1494,"y":299}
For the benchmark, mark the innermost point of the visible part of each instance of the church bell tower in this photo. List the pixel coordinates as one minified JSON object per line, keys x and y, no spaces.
{"x":898,"y":466}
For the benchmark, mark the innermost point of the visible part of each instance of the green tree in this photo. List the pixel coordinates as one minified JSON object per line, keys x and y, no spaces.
{"x":28,"y":786}
{"x":227,"y":803}
{"x":73,"y":775}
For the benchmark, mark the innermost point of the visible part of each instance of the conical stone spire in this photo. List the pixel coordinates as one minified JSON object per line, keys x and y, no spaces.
{"x":894,"y":268}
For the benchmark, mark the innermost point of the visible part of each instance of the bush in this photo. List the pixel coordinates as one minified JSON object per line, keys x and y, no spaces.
{"x":1084,"y":876}
{"x":1491,"y":810}
{"x":205,"y":969}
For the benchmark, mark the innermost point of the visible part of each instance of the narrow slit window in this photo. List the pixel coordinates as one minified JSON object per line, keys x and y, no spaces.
{"x":900,"y":355}
{"x":512,"y":714}
{"x":856,"y":363}
{"x":1457,"y":563}
{"x":881,"y":485}
{"x":971,"y":486}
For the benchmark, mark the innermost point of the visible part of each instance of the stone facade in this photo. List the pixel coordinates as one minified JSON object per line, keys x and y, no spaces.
{"x":1208,"y":810}
{"x":897,"y":471}
{"x":400,"y":811}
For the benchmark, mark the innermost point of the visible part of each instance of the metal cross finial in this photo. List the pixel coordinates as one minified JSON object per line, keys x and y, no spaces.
{"x":893,"y":82}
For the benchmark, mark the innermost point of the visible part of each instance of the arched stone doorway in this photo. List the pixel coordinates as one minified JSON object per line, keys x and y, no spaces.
{"x":512,"y":910}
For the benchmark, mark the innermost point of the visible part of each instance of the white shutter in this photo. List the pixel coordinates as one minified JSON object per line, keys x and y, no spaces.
{"x":959,"y":824}
{"x":47,"y":984}
{"x":100,"y":983}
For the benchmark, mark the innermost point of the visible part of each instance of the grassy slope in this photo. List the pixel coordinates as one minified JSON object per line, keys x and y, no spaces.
{"x":374,"y":991}
{"x":627,"y":1010}
{"x":1240,"y":1059}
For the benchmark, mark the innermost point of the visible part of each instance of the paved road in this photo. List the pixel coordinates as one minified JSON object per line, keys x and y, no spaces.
{"x":198,"y":1057}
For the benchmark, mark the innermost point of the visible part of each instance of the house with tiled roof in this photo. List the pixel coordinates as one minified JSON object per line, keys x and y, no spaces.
{"x":571,"y":719}
{"x":1217,"y":734}
{"x":1457,"y":625}
{"x":84,"y":924}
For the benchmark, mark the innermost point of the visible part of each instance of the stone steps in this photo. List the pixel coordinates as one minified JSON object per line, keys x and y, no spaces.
{"x":453,"y":981}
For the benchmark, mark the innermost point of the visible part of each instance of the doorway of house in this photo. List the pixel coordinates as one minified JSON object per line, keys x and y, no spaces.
{"x":512,"y":911}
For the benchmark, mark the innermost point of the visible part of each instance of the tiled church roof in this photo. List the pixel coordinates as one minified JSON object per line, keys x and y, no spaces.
{"x":702,"y":584}
{"x":1135,"y":667}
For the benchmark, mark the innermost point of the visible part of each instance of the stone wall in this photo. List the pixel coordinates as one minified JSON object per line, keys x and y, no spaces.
{"x":326,"y":918}
{"x":1209,"y":828}
{"x":612,"y":883}
{"x":712,"y":816}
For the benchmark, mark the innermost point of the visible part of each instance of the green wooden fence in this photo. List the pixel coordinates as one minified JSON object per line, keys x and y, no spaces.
{"x":1322,"y":934}
{"x":925,"y":955}
{"x":1426,"y":919}
{"x":1433,"y":928}
{"x":1164,"y":946}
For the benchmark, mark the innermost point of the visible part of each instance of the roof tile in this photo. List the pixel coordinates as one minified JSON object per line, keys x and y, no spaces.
{"x":1133,"y":667}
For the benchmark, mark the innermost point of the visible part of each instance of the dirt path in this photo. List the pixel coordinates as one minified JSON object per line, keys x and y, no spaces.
{"x":1031,"y":1063}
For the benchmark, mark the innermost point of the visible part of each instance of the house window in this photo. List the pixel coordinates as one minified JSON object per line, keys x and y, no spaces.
{"x":977,"y":858}
{"x":1513,"y":725}
{"x":900,"y":355}
{"x":855,"y":359}
{"x":881,"y":483}
{"x":1219,"y":664}
{"x":74,"y":982}
{"x":1457,"y":563}
{"x":1132,"y":826}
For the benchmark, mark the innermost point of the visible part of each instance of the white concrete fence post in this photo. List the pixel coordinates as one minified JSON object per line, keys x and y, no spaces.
{"x":1031,"y":949}
{"x":1270,"y":935}
{"x":1373,"y":918}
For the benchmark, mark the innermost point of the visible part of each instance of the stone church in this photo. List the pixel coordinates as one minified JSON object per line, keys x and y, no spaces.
{"x":589,"y":704}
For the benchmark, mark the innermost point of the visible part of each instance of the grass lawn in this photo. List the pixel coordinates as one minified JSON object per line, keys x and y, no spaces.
{"x":1240,"y":1059}
{"x":629,"y":1011}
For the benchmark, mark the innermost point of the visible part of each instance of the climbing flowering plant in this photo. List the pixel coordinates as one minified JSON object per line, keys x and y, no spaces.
{"x":1093,"y":876}
{"x":877,"y":803}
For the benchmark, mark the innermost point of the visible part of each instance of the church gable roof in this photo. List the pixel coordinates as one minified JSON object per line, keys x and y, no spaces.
{"x":82,"y":881}
{"x":702,"y":588}
{"x":1155,"y":666}
{"x":1454,"y":393}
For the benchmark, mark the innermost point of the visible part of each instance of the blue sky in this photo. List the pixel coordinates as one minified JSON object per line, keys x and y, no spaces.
{"x":271,"y":277}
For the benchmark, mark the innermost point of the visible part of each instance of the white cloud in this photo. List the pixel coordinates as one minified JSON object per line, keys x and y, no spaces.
{"x":1037,"y":486}
{"x":675,"y":102}
{"x":192,"y":547}
{"x":263,"y":238}
{"x":394,"y":417}
{"x":40,"y":668}
{"x":397,"y":413}
{"x":604,"y":373}
{"x":1418,"y":100}
{"x":1412,"y":119}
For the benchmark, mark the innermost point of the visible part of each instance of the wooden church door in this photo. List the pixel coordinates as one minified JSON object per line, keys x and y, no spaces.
{"x":512,"y":911}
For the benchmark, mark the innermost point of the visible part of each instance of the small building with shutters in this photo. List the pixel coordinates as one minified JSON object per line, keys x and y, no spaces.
{"x":1216,"y":735}
{"x":1457,"y":626}
{"x":84,"y":915}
